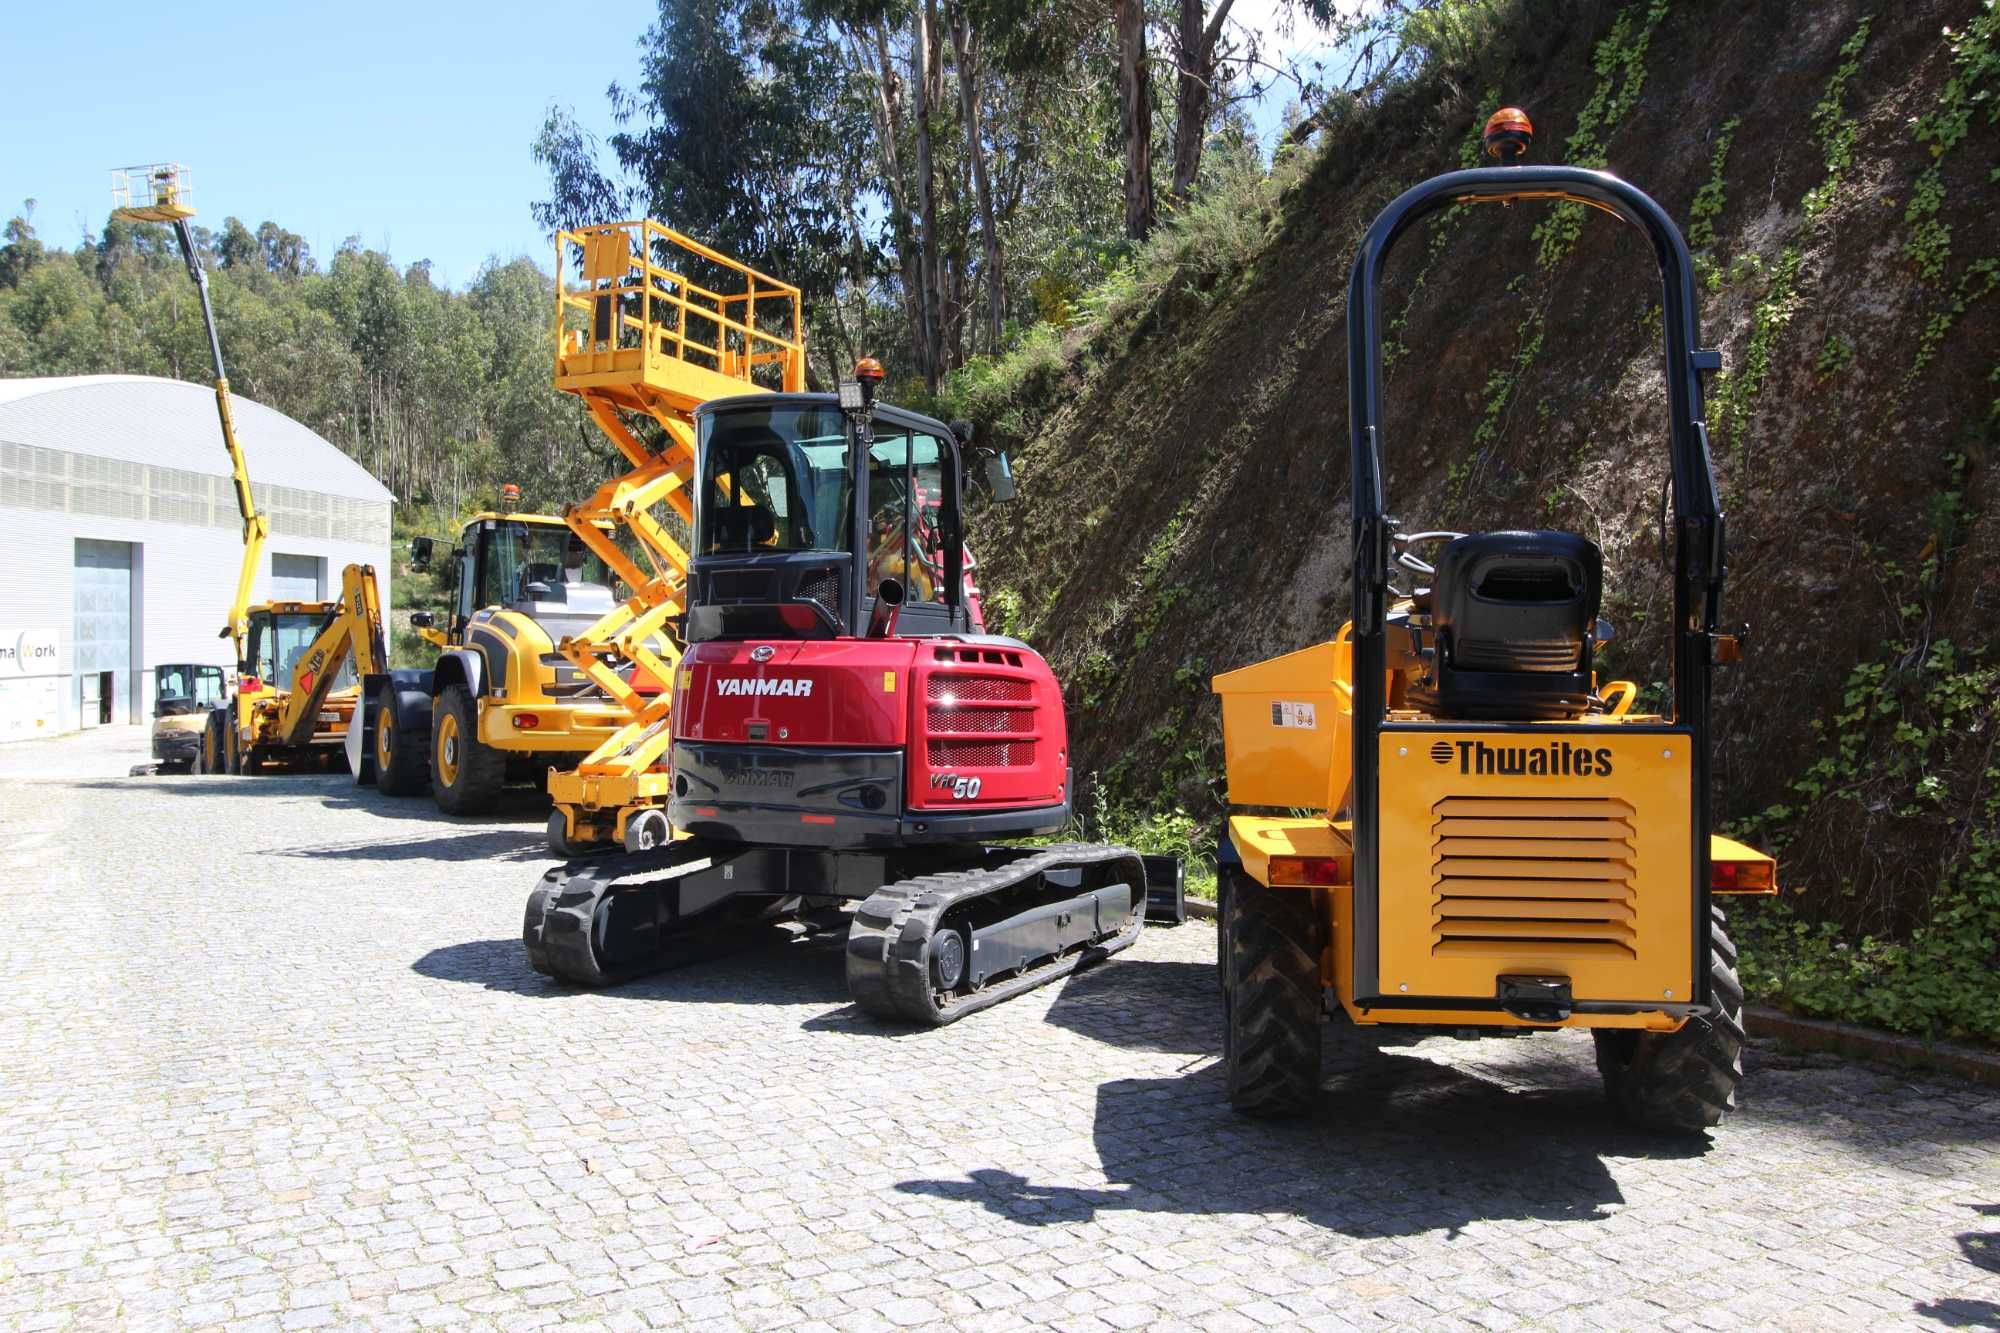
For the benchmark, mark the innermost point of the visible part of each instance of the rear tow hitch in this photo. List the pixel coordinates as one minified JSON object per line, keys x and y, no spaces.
{"x":1536,"y":999}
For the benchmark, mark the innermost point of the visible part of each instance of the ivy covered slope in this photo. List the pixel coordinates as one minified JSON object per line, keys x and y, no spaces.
{"x":1183,"y":453}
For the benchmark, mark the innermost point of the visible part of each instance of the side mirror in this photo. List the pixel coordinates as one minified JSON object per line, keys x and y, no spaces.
{"x":422,"y":620}
{"x":999,"y":477}
{"x":422,"y":550}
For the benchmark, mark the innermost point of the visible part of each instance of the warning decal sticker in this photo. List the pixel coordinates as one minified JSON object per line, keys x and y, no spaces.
{"x":1285,"y":714}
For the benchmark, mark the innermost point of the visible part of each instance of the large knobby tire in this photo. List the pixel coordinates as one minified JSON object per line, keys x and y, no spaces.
{"x":402,"y":761}
{"x":466,"y":773}
{"x":1681,"y":1082}
{"x":208,"y":756}
{"x":232,"y":747}
{"x":1271,"y":996}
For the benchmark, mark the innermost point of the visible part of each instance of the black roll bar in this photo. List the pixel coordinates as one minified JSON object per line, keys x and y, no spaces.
{"x":1698,"y":545}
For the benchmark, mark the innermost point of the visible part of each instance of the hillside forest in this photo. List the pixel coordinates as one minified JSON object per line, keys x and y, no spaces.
{"x":1057,"y":222}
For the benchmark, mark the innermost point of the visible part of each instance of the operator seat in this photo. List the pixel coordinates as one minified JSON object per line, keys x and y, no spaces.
{"x":1513,"y":615}
{"x":740,"y":527}
{"x":538,"y":571}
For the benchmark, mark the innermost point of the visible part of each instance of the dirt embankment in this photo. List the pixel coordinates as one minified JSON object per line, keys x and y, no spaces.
{"x":1187,"y":483}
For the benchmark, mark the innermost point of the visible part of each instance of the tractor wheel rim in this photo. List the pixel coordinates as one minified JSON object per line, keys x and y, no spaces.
{"x":383,"y":726}
{"x":448,"y":750}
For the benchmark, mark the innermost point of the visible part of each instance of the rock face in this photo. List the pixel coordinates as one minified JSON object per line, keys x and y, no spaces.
{"x":1186,"y":466}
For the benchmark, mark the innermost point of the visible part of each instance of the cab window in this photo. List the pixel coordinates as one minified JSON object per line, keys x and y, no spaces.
{"x":905,"y":494}
{"x":521,"y":555}
{"x":277,"y":642}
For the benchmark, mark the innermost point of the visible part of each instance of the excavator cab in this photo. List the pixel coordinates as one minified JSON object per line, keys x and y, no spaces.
{"x":795,"y":540}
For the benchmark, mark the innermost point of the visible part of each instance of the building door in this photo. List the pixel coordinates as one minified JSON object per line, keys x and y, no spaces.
{"x":297,"y":578}
{"x":102,"y":611}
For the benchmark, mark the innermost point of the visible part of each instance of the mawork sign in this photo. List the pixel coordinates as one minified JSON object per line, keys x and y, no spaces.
{"x":29,"y":652}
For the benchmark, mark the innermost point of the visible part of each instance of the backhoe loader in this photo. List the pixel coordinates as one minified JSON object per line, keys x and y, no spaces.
{"x":294,"y":693}
{"x":1501,"y":843}
{"x":262,"y":720}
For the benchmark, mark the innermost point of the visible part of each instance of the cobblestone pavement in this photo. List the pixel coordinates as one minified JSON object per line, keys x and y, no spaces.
{"x":272,"y":1058}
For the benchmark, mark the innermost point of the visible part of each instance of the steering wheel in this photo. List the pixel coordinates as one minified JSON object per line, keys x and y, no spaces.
{"x":1403,"y":541}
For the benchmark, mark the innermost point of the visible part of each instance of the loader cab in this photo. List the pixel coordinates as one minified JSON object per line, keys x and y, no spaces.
{"x":279,"y":636}
{"x":531,"y":564}
{"x":789,"y":506}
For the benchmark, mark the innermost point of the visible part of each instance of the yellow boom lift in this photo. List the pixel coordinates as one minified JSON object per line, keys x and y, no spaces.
{"x":1502,"y":844}
{"x":644,"y":343}
{"x":261,"y":719}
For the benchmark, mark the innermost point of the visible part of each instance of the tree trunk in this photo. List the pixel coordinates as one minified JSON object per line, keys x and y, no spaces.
{"x":1135,"y":106}
{"x":1195,"y":43}
{"x":889,"y":126}
{"x":975,"y":141}
{"x":930,"y":351}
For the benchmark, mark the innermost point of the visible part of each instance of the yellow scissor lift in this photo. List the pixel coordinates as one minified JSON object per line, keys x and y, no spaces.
{"x":640,"y":339}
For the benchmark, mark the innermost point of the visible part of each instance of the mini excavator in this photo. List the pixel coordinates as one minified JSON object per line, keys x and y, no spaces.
{"x":838,"y":728}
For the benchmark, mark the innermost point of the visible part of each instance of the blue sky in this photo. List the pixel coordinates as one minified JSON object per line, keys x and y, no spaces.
{"x":405,"y":124}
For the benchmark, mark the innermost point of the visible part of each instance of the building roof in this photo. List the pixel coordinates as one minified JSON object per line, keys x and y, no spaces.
{"x":171,"y":423}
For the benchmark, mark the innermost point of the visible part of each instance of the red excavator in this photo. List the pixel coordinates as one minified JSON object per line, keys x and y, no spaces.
{"x":843,"y":732}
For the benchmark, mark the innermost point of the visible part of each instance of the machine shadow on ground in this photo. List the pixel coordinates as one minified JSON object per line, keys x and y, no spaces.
{"x":769,"y":966}
{"x":1397,"y":1144}
{"x":1982,"y":1250}
{"x":339,"y":790}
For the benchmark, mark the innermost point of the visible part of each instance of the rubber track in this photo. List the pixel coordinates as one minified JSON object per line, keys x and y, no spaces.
{"x":1685,"y":1081}
{"x":562,"y":908}
{"x":888,"y":944}
{"x":1272,"y":1051}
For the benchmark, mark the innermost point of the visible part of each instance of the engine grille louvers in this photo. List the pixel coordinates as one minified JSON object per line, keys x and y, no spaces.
{"x":1556,"y":875}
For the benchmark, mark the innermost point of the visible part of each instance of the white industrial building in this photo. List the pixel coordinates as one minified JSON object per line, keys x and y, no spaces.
{"x":123,"y":540}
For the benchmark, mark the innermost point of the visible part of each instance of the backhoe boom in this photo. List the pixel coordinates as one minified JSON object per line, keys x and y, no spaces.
{"x":353,"y":628}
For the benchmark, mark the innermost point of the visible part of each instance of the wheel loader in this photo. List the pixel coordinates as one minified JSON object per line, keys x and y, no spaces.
{"x":499,"y":704}
{"x":1497,"y":842}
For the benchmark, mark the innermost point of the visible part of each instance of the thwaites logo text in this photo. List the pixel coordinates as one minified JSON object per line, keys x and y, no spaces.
{"x":1559,"y":760}
{"x":783,"y":687}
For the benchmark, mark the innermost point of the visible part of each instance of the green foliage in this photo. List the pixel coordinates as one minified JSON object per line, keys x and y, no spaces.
{"x":1975,"y":53}
{"x":1003,"y":613}
{"x":1708,"y":200}
{"x":1161,"y":832}
{"x":1737,"y":388}
{"x":1835,"y":356}
{"x":1620,"y":63}
{"x":1909,"y":759}
{"x":1979,"y":279}
{"x":1833,"y":126}
{"x":1009,"y":395}
{"x":1707,"y":207}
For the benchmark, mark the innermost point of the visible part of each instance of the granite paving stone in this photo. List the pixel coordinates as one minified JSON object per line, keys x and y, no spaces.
{"x":271,"y":1057}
